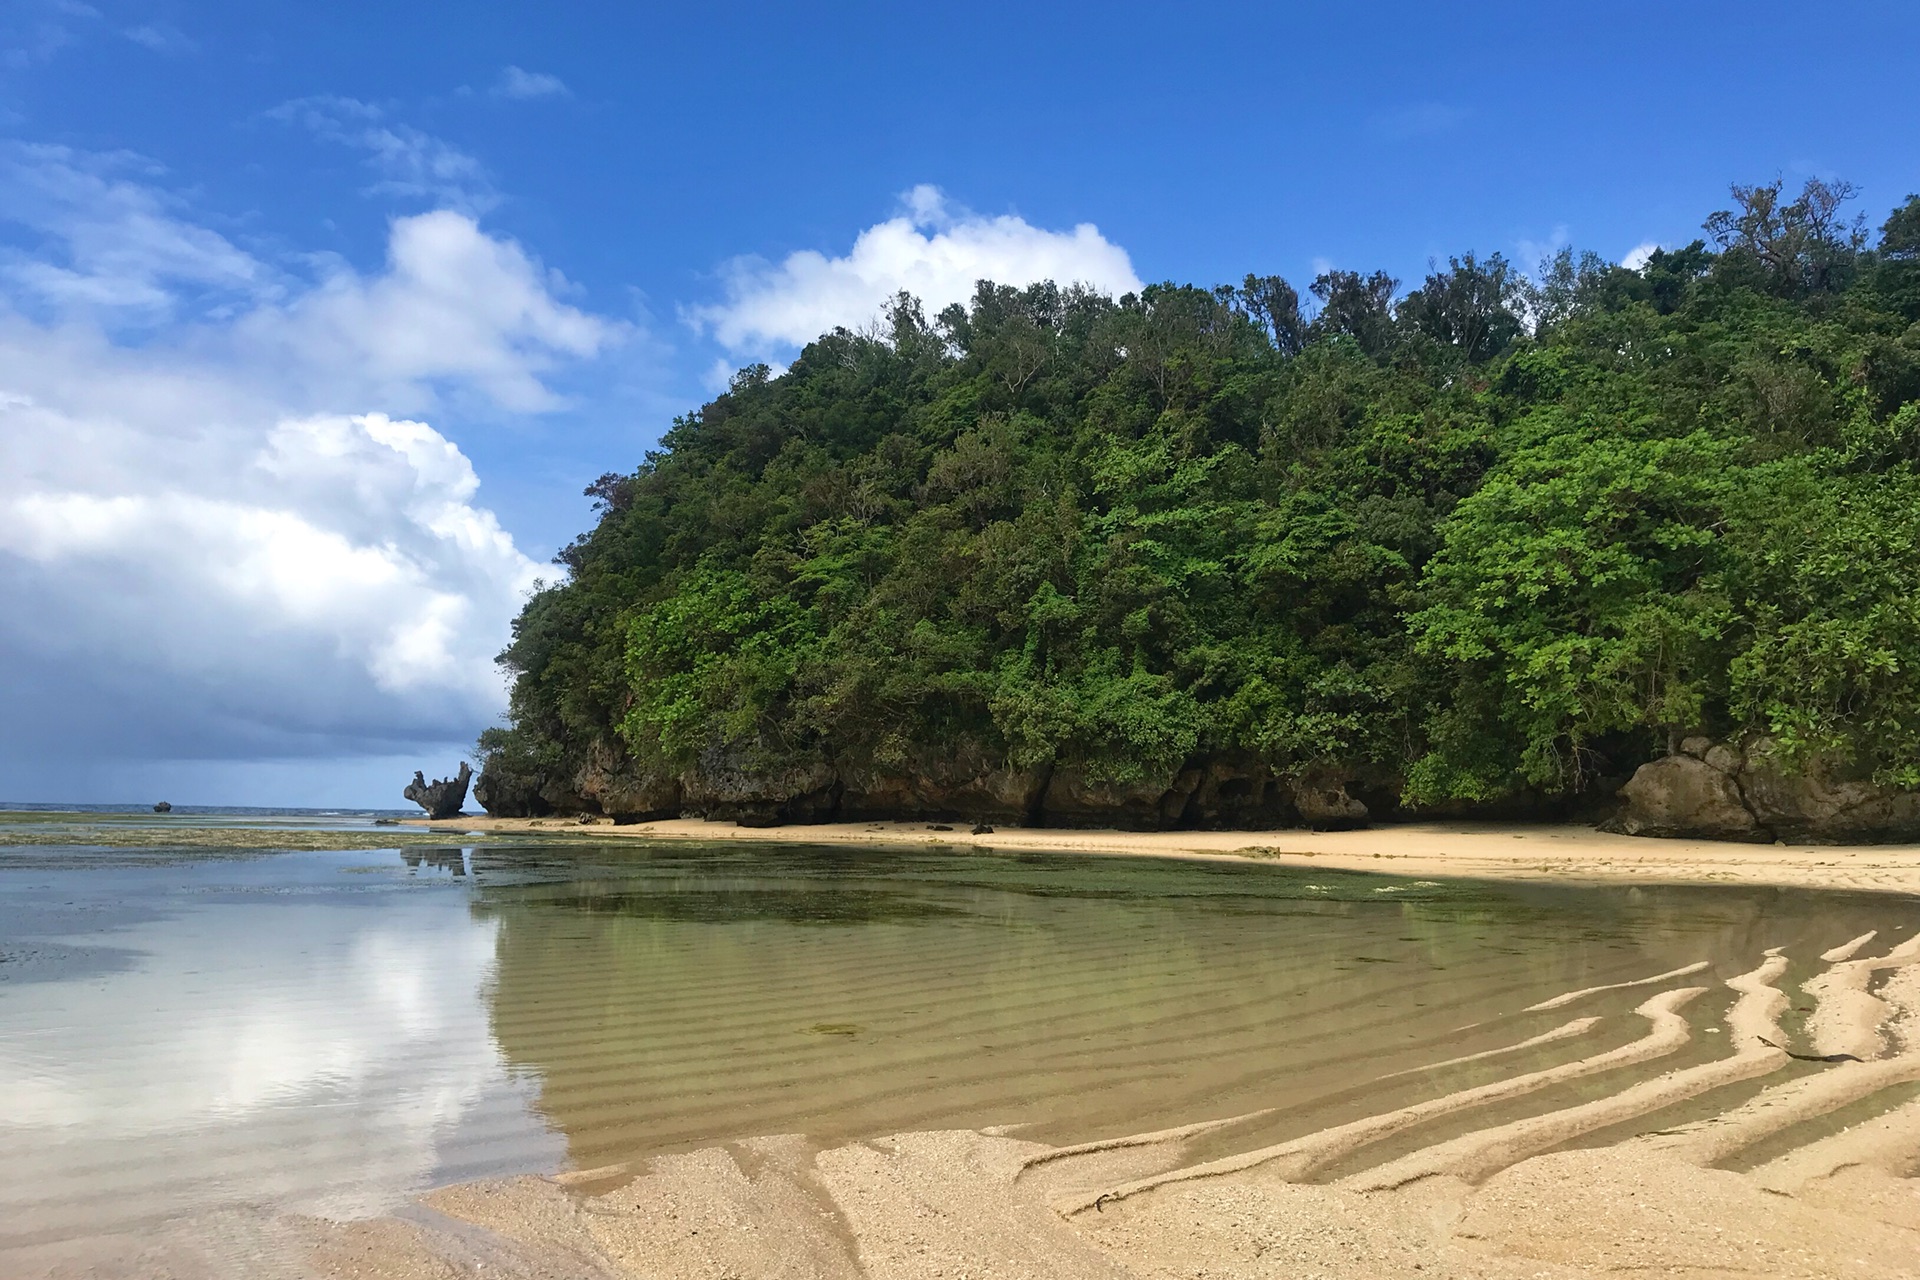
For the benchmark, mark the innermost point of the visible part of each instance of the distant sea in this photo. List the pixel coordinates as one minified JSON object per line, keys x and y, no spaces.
{"x":240,"y":814}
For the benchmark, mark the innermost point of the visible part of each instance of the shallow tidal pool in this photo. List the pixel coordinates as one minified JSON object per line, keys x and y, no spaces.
{"x":184,"y":1034}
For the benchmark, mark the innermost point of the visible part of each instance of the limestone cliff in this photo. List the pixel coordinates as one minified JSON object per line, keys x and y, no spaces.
{"x":1746,"y":791}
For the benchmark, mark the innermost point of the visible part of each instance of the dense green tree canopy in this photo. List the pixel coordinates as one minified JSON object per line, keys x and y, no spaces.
{"x":1494,"y":535}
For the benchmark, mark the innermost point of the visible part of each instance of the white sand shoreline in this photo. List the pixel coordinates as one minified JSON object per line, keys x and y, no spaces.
{"x":1566,"y":853}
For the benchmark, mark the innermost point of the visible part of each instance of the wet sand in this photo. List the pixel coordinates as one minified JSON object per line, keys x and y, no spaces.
{"x":1570,"y":853}
{"x":1587,"y":1189}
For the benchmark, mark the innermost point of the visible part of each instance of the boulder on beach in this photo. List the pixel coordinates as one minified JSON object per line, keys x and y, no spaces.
{"x":1681,"y":795}
{"x":1748,"y":791}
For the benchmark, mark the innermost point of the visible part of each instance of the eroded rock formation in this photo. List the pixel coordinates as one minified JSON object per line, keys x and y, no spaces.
{"x":1324,"y":804}
{"x":1706,"y":790}
{"x":962,"y":782}
{"x":1681,"y":795}
{"x":1747,"y":791}
{"x":443,"y":797}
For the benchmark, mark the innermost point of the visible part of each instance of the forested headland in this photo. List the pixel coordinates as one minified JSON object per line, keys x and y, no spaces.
{"x":1242,"y":556}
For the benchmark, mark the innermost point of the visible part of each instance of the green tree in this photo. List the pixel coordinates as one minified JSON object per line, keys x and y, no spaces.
{"x":1504,"y":536}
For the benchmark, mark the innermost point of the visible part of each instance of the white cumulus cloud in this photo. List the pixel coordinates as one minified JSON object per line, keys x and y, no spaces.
{"x":516,"y":82}
{"x":932,"y":249}
{"x":454,"y":304}
{"x":240,"y":535}
{"x":1638,"y":256}
{"x":1536,"y":255}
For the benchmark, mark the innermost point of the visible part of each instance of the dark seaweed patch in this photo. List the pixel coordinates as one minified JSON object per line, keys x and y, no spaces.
{"x":831,"y":905}
{"x":38,"y":961}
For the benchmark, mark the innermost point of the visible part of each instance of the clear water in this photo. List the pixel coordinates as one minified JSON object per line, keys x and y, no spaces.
{"x":187,"y":1034}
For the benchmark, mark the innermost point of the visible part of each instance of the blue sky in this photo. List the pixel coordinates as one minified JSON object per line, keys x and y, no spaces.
{"x":230,"y":232}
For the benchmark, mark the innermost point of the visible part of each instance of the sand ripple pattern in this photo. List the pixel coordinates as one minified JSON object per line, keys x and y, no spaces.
{"x":1714,"y":1142}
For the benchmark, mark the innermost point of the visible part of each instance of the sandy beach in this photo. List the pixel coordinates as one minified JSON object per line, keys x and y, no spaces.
{"x":1568,"y":852}
{"x":1766,"y":1185}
